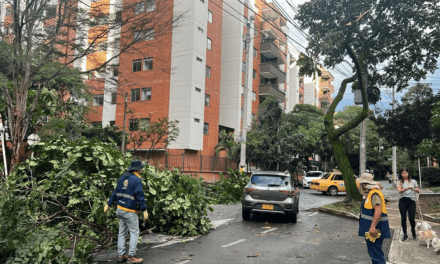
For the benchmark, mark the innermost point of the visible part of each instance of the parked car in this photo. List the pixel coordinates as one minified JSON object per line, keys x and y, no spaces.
{"x":271,"y":192}
{"x":331,"y":183}
{"x":311,"y":175}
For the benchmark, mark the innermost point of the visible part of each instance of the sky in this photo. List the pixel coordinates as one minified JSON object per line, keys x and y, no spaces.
{"x":344,"y":70}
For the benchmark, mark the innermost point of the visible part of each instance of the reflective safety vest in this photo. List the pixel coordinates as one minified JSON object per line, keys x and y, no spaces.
{"x":367,"y":213}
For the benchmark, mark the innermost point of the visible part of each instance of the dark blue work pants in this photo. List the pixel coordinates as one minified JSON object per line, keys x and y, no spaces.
{"x":375,"y":251}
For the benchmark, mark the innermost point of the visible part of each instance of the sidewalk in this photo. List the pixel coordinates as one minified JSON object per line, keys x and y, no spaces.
{"x":408,"y":252}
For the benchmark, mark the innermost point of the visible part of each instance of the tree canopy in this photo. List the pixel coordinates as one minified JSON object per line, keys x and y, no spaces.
{"x":389,"y":43}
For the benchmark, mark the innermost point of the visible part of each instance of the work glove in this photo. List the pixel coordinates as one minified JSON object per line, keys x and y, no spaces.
{"x":145,"y":215}
{"x":105,"y":208}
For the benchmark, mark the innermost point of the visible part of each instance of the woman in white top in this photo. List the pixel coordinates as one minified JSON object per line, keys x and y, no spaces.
{"x":407,"y":202}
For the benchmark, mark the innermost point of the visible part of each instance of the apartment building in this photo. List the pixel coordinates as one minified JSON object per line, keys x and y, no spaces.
{"x":193,"y":73}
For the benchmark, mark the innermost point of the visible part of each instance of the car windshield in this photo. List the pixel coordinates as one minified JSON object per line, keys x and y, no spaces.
{"x":268,"y":180}
{"x":326,"y":176}
{"x":313,"y":174}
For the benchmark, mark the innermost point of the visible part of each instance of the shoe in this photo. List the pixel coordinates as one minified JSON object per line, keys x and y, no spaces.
{"x":134,"y":260}
{"x":405,"y":237}
{"x":122,"y":258}
{"x":414,"y":234}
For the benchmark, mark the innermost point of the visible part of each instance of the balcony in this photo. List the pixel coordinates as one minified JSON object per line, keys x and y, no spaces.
{"x":327,"y":75}
{"x":271,"y":71}
{"x":327,"y":86}
{"x":326,"y":98}
{"x":266,"y":89}
{"x":271,"y":51}
{"x":268,"y":13}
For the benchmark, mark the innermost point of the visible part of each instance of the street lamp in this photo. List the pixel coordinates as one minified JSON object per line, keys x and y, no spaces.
{"x":363,"y":135}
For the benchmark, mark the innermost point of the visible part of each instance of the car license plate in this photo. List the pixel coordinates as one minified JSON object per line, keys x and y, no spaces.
{"x":267,"y":206}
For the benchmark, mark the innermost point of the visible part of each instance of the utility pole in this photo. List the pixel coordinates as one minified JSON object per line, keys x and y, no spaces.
{"x":363,"y":148}
{"x":245,"y":96}
{"x":123,"y":130}
{"x":394,"y":165}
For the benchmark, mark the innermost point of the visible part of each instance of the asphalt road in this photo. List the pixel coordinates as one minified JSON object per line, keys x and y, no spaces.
{"x":316,"y":238}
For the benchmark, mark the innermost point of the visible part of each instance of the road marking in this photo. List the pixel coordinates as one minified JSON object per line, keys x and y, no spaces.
{"x":217,"y":223}
{"x":270,"y":230}
{"x":186,"y":261}
{"x":315,"y":213}
{"x":177,"y":240}
{"x":233,"y":243}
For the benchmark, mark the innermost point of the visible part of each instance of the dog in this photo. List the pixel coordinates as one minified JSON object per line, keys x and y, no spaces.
{"x":436,"y":244}
{"x":423,"y":226}
{"x":426,"y":236}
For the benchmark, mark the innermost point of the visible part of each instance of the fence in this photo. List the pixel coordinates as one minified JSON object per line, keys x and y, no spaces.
{"x":193,"y":163}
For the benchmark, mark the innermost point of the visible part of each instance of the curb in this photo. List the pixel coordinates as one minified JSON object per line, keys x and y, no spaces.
{"x":338,"y":213}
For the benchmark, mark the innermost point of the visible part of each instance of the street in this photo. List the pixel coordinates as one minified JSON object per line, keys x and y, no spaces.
{"x":316,"y":238}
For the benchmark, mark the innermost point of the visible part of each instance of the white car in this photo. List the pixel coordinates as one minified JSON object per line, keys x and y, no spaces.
{"x":311,"y":175}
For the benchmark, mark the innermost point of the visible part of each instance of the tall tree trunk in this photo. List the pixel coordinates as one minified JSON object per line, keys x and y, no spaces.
{"x":345,"y":168}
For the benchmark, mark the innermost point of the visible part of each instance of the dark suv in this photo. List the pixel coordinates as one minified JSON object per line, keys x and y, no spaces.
{"x":271,"y":192}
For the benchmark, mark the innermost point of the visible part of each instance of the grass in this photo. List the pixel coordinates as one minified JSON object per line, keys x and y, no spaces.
{"x":349,"y":207}
{"x":435,"y":189}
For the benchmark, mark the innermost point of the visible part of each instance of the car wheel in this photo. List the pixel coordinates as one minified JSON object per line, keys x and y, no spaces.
{"x":333,"y":190}
{"x":246,"y":215}
{"x":293,"y":217}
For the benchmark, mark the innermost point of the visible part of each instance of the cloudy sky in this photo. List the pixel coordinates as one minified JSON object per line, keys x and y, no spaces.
{"x":344,"y":70}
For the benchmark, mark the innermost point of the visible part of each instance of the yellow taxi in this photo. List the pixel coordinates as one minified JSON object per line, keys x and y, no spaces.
{"x":330,"y":183}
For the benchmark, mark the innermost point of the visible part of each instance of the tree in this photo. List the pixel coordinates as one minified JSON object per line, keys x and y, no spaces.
{"x":389,"y":42}
{"x":45,"y":38}
{"x":161,"y":132}
{"x":377,"y":159}
{"x":279,"y":141}
{"x":227,"y":143}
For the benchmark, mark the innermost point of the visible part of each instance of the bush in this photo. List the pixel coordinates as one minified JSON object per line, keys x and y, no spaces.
{"x":66,"y":186}
{"x":431,"y":175}
{"x":229,"y":190}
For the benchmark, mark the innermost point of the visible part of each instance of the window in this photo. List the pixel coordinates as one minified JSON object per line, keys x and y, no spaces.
{"x":97,"y":124}
{"x":200,"y":29}
{"x":149,"y":34}
{"x":209,"y":16}
{"x":112,"y":123}
{"x":114,"y":94}
{"x":207,"y":99}
{"x":144,"y":123}
{"x":135,"y":94}
{"x":254,"y":96}
{"x":118,"y":17}
{"x":146,"y":94}
{"x":199,"y":59}
{"x":255,"y":52}
{"x":198,"y":90}
{"x":244,"y":44}
{"x":254,"y":73}
{"x":196,"y":120}
{"x":115,"y":69}
{"x":139,"y":8}
{"x":151,"y":6}
{"x":208,"y":43}
{"x":146,"y":6}
{"x":208,"y":72}
{"x":134,"y":124}
{"x":300,"y":97}
{"x":8,"y":11}
{"x":148,"y":64}
{"x":205,"y":129}
{"x":243,"y":67}
{"x":98,"y":99}
{"x":137,"y":64}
